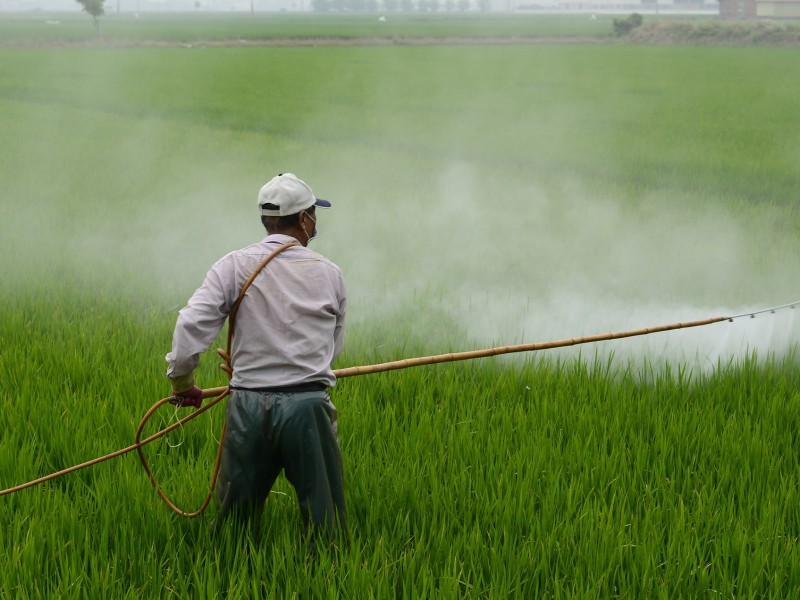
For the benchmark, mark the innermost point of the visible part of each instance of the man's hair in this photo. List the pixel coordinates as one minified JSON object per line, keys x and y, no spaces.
{"x":285,"y":223}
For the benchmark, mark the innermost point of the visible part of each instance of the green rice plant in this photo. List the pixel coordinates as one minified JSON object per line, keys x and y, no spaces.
{"x":128,"y":171}
{"x":468,"y":480}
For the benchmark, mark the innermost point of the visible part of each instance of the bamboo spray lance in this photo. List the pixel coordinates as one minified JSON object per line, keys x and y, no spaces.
{"x":219,"y":393}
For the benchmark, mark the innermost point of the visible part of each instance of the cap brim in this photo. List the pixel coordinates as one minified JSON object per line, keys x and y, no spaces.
{"x":322,"y":203}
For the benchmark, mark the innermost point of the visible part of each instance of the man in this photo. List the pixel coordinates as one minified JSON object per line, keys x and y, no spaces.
{"x":288,"y":330}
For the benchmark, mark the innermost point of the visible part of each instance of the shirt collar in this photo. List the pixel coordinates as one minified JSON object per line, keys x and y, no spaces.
{"x":281,"y":238}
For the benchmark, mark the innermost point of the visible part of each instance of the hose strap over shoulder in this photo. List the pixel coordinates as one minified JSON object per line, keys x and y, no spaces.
{"x":227,"y":366}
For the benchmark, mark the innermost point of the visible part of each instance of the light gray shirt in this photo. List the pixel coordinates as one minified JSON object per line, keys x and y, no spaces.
{"x":288,"y":329}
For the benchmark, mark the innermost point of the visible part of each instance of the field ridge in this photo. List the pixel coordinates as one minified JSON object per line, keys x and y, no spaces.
{"x":658,"y":33}
{"x":307,"y":42}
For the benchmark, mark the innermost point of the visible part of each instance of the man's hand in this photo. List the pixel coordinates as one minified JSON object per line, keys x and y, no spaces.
{"x":191,"y":397}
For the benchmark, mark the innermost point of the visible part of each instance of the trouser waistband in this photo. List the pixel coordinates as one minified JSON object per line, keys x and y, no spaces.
{"x":315,"y":386}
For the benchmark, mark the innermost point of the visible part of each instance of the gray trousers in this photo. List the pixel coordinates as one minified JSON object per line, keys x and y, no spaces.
{"x":267,"y":432}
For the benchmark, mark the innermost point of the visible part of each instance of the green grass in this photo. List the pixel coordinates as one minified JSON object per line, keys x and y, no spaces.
{"x":565,"y":479}
{"x":481,"y":195}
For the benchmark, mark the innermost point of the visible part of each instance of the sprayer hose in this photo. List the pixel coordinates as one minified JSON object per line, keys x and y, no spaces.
{"x":220,"y":393}
{"x":226,"y":366}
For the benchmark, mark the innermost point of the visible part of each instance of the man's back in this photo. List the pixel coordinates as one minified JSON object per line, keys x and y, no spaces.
{"x":290,"y":325}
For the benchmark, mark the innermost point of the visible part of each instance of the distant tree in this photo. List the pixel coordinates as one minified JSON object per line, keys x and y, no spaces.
{"x":406,"y":5}
{"x":95,"y":9}
{"x":450,"y":5}
{"x":391,"y":5}
{"x":624,"y":26}
{"x":485,"y":5}
{"x":463,"y":5}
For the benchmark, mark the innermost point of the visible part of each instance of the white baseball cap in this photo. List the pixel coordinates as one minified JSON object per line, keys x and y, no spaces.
{"x":286,"y":194}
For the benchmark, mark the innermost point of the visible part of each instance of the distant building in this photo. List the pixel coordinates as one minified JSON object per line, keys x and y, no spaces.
{"x":767,"y":9}
{"x":778,"y":9}
{"x":737,"y":9}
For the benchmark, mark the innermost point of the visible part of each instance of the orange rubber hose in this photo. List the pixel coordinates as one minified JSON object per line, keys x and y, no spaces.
{"x":228,"y":368}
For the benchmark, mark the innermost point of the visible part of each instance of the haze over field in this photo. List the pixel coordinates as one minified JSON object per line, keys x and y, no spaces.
{"x":472,"y":219}
{"x":483,"y":194}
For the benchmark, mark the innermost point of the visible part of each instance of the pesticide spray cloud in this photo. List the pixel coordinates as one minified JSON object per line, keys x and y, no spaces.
{"x":567,"y":262}
{"x":460,"y":221}
{"x":526,"y":220}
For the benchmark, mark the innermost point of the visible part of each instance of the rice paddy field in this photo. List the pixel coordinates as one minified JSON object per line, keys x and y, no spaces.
{"x":484,"y":194}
